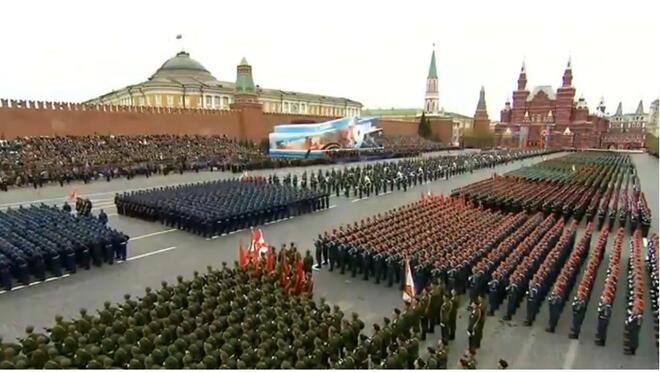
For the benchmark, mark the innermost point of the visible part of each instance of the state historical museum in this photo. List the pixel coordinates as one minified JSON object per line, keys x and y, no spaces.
{"x":548,"y":118}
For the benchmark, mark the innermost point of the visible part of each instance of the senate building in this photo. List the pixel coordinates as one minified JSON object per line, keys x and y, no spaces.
{"x":182,"y":82}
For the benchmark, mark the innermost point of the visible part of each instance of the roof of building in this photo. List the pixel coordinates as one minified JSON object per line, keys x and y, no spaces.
{"x":181,"y":70}
{"x":547,"y":89}
{"x":640,"y":108}
{"x":181,"y":66}
{"x":411,"y":112}
{"x":619,"y":110}
{"x":393,"y":112}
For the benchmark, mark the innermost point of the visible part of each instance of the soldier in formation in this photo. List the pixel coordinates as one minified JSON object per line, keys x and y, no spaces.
{"x":214,"y":208}
{"x":39,"y":241}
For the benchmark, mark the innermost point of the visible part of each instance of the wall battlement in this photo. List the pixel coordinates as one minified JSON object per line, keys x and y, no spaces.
{"x":19,"y":118}
{"x":70,"y":106}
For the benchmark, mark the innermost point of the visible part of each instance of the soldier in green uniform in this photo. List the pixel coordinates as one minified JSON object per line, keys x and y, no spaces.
{"x":412,"y":347}
{"x":452,"y":315}
{"x":432,"y":361}
{"x":435,"y":305}
{"x":445,"y":318}
{"x":441,"y":355}
{"x":474,"y":319}
{"x":308,"y":262}
{"x":483,"y":308}
{"x":422,"y":312}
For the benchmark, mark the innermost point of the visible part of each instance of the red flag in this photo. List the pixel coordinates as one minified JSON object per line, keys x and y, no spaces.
{"x":256,"y":259}
{"x":270,"y":261}
{"x":242,"y":256}
{"x":74,"y":195}
{"x":258,"y":244}
{"x":300,"y":275}
{"x":285,"y":272}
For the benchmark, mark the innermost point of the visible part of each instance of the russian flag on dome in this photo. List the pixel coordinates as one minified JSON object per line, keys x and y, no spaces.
{"x":258,"y":245}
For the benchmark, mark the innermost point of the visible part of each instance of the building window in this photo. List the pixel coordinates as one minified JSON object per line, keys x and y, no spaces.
{"x":286,"y":107}
{"x":208,"y":101}
{"x":216,"y":101}
{"x":157,"y":100}
{"x":187,"y":100}
{"x":141,"y":101}
{"x":170,"y":101}
{"x":225,"y":102}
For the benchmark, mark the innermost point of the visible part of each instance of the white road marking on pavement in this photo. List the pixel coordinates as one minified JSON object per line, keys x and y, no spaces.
{"x":389,"y":192}
{"x":113,"y":214}
{"x":36,"y":283}
{"x":103,"y":205}
{"x":357,"y":200}
{"x":149,"y":254}
{"x":152,"y":234}
{"x":571,"y":354}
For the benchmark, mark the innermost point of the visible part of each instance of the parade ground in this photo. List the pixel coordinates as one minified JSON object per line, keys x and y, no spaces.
{"x":157,"y":253}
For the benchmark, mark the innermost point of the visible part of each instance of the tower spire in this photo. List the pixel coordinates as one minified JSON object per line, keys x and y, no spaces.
{"x":481,"y":105}
{"x":640,"y":108}
{"x":522,"y":78}
{"x":432,"y":97}
{"x":433,"y":74}
{"x":481,"y":122}
{"x":567,"y":79}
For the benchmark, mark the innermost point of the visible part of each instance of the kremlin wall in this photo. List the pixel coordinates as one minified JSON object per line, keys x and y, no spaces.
{"x":38,"y":118}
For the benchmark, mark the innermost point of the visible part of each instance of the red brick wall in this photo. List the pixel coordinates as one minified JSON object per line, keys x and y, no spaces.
{"x":30,"y":118}
{"x":398,"y":127}
{"x":441,"y":130}
{"x":19,"y":119}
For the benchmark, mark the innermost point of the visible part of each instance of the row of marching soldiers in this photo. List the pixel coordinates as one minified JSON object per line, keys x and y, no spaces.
{"x":652,"y":267}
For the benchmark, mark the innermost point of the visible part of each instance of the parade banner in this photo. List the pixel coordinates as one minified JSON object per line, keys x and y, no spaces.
{"x":409,"y":287}
{"x":312,"y":140}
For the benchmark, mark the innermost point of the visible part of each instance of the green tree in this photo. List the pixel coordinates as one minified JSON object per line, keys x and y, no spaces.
{"x":424,"y":129}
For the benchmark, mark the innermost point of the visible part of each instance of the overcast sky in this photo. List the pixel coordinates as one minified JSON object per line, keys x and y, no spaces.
{"x":375,"y":52}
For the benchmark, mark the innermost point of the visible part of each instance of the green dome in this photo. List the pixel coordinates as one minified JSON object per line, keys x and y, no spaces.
{"x":182,"y":61}
{"x":181,"y":65}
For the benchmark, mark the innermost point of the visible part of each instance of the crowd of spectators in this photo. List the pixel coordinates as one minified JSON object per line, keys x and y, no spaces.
{"x":36,"y":161}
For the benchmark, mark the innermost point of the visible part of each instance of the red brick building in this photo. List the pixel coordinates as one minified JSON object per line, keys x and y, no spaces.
{"x":544,"y":117}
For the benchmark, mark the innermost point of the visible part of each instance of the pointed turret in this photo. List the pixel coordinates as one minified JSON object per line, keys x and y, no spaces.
{"x":619,"y":110}
{"x":640,"y":108}
{"x":581,"y":103}
{"x":600,"y":110}
{"x":522,"y":78}
{"x":481,"y":105}
{"x":432,"y":97}
{"x":244,"y":81}
{"x":481,"y":120}
{"x":244,"y":89}
{"x":433,"y":74}
{"x":567,"y":79}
